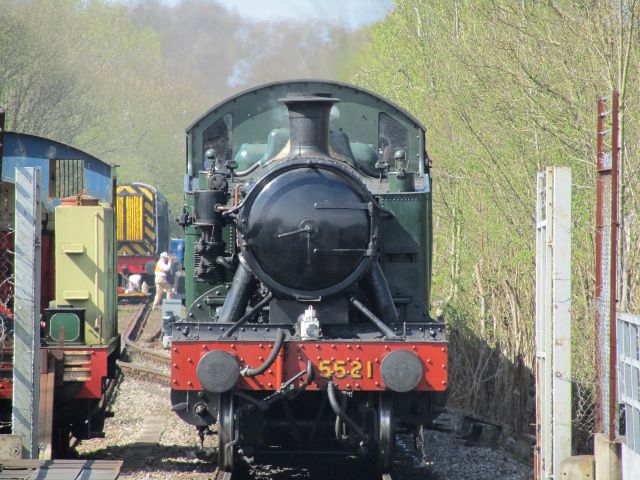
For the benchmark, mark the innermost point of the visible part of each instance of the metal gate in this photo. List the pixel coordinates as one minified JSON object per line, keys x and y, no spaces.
{"x":629,"y":390}
{"x":553,"y":322}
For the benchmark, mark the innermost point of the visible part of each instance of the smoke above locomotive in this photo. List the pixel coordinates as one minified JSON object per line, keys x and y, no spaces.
{"x":309,"y":255}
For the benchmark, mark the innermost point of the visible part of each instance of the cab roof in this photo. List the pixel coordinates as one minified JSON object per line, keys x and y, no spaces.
{"x":310,"y":85}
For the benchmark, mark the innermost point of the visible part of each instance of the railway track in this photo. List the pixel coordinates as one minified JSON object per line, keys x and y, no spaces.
{"x":221,"y":475}
{"x":144,"y":372}
{"x":149,"y":364}
{"x":147,"y":355}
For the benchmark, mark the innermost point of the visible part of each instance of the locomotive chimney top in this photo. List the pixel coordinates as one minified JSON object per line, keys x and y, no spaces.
{"x":309,"y":123}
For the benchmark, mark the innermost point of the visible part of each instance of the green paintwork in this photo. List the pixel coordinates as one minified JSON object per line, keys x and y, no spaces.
{"x":192,"y":288}
{"x":85,"y":252}
{"x":71,"y":324}
{"x":365,"y":154}
{"x":406,"y":246}
{"x":258,"y":112}
{"x":260,"y":133}
{"x":249,"y":154}
{"x":402,"y":182}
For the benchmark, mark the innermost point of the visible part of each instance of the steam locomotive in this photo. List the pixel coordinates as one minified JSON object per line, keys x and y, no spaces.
{"x":308,"y":246}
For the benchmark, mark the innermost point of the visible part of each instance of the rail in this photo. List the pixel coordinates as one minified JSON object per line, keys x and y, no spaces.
{"x":223,"y":475}
{"x":130,"y":346}
{"x":151,"y":355}
{"x":135,"y":325}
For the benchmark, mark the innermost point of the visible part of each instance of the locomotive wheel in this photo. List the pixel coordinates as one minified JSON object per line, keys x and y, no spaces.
{"x":386,"y":432}
{"x":226,"y":432}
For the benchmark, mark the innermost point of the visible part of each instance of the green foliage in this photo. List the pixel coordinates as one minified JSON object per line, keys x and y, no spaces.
{"x":123,"y":81}
{"x":84,"y":73}
{"x":506,"y":89}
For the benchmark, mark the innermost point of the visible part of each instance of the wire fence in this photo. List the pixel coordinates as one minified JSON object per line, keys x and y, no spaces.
{"x":584,"y":414}
{"x":7,"y":286}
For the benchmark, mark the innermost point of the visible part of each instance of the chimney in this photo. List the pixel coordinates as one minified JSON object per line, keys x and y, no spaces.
{"x":309,"y":123}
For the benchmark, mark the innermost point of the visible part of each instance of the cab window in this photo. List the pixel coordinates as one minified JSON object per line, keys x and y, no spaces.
{"x":391,"y":137}
{"x":219,"y":137}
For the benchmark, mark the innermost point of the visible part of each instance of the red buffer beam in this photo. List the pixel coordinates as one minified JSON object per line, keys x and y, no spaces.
{"x":352,"y":366}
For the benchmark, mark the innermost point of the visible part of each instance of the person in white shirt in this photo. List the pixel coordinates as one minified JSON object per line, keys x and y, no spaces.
{"x":135,"y":283}
{"x":162,"y":286}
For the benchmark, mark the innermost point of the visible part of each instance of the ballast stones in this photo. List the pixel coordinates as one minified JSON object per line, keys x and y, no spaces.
{"x":401,"y":370}
{"x":218,"y":371}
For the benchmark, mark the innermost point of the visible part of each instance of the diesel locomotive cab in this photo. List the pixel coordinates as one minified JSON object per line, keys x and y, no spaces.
{"x":310,"y":331}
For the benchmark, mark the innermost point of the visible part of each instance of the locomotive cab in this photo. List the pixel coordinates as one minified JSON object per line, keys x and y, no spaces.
{"x":307,"y":325}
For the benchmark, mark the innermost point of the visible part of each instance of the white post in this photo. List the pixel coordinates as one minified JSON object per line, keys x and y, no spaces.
{"x":561,"y":314}
{"x":543,"y":364}
{"x":26,"y":343}
{"x":553,"y":320}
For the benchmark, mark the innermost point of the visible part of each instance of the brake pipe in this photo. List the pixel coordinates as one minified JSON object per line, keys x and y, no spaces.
{"x":277,"y":346}
{"x":283,"y":392}
{"x":339,"y":411}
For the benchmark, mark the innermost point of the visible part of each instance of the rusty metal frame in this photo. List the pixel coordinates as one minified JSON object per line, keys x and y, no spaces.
{"x":607,"y":275}
{"x":613,"y":277}
{"x":46,"y":398}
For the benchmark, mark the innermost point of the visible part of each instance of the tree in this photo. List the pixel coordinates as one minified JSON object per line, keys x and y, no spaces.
{"x":506,"y":88}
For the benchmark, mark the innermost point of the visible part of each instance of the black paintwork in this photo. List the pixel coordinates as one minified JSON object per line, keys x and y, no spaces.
{"x":191,"y":331}
{"x":302,"y":234}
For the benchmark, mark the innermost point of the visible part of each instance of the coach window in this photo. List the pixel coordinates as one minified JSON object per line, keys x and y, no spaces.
{"x":391,"y":137}
{"x":219,"y":137}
